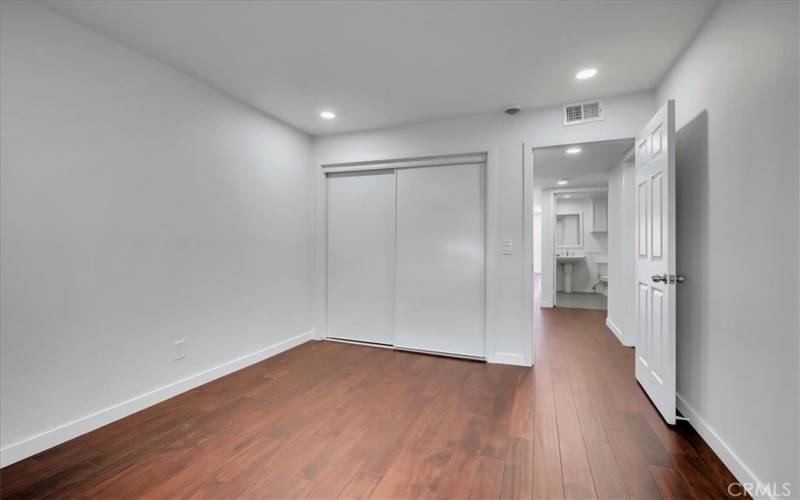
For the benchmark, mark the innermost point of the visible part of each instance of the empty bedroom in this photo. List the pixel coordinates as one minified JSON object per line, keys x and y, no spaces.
{"x":399,"y":249}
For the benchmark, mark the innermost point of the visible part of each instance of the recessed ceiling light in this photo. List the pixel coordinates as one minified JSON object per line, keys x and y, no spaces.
{"x":328,"y":115}
{"x":562,"y":182}
{"x":567,"y":196}
{"x":573,"y":151}
{"x":585,"y":73}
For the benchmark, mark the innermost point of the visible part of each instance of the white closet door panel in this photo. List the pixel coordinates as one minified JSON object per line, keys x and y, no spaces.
{"x":440,"y":259}
{"x":361,"y":256}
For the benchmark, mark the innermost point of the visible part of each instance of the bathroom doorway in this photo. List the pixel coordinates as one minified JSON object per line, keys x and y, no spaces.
{"x":580,"y":240}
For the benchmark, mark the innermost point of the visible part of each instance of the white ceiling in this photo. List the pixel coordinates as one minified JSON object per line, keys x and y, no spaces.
{"x":589,"y":168}
{"x":379,"y":64}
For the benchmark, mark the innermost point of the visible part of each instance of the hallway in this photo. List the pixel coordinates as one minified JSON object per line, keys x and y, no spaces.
{"x":611,"y":441}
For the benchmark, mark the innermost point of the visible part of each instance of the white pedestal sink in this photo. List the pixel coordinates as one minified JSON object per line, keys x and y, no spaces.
{"x":567,"y":262}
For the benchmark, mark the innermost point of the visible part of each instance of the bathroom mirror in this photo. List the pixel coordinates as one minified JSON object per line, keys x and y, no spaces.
{"x":569,"y":230}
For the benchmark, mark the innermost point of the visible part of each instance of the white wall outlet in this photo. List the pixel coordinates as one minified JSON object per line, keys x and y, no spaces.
{"x":508,"y":247}
{"x":180,"y":350}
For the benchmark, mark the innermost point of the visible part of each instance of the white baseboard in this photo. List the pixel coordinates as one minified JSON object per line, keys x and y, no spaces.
{"x":545,"y":303}
{"x":615,"y":330}
{"x":508,"y":358}
{"x":731,"y":460}
{"x":52,"y":437}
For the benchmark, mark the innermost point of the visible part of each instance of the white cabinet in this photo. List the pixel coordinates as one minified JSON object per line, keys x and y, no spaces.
{"x":600,"y":215}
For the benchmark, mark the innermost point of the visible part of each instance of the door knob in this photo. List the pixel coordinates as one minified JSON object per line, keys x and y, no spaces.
{"x":668,"y":278}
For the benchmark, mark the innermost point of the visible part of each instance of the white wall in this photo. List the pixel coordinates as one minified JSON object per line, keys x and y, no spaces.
{"x":595,"y":246}
{"x":736,"y":91}
{"x":621,"y":261}
{"x":138,"y":207}
{"x":505,"y":135}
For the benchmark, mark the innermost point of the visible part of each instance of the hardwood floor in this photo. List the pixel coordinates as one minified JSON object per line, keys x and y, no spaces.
{"x":328,"y":420}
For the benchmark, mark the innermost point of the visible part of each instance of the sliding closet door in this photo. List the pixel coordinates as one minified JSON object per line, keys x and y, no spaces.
{"x":440,"y":259}
{"x":361,"y":256}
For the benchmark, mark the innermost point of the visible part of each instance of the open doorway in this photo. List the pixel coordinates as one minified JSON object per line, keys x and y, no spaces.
{"x":581,"y":239}
{"x":638,"y":179}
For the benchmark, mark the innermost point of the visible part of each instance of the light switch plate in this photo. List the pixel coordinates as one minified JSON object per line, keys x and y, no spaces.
{"x":180,"y":350}
{"x":508,"y":247}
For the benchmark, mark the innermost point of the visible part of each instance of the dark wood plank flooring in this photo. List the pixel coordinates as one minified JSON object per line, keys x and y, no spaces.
{"x":328,"y":420}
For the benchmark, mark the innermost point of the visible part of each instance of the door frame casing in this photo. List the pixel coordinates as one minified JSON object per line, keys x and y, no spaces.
{"x":491,"y":251}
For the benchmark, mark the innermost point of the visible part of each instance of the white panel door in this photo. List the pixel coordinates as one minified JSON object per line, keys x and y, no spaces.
{"x":440,"y":259}
{"x":655,"y":260}
{"x":361,"y":256}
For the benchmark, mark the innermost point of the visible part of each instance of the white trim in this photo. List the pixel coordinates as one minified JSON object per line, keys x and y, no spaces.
{"x":356,"y":342}
{"x":731,"y":460}
{"x":442,"y":354}
{"x":615,"y":330}
{"x":52,"y":437}
{"x":491,"y":250}
{"x":320,"y":275}
{"x":508,"y":358}
{"x":411,"y":162}
{"x":528,"y":325}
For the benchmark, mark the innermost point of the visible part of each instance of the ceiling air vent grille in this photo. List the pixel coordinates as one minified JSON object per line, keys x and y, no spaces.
{"x":582,"y":112}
